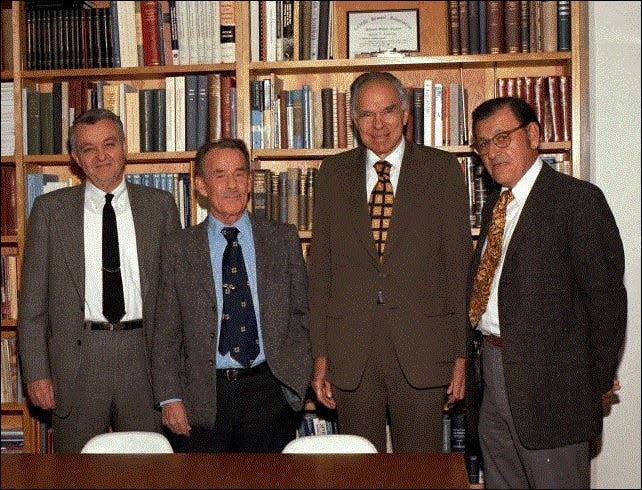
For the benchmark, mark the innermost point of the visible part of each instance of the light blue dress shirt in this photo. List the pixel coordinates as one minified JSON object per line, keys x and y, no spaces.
{"x":217,"y":243}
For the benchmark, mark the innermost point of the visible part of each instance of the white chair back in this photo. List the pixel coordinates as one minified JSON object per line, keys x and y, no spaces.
{"x":128,"y":442}
{"x":330,"y":443}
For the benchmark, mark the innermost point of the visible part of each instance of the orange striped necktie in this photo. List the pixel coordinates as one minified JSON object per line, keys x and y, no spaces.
{"x":381,"y":200}
{"x":490,"y":259}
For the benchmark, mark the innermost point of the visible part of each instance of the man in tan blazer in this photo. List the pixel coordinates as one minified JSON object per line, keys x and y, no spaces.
{"x":94,"y":374}
{"x":388,"y":333}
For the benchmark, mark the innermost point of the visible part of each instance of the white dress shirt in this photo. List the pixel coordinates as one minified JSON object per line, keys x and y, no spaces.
{"x":93,"y":236}
{"x":490,"y":321}
{"x":394,"y":159}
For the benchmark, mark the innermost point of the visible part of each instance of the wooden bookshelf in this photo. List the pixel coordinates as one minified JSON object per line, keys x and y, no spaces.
{"x":477,"y":73}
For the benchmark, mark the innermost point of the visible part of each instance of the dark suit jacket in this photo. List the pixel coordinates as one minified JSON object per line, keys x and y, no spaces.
{"x":422,"y":276}
{"x":185,"y":338}
{"x":52,"y":298}
{"x":562,"y":310}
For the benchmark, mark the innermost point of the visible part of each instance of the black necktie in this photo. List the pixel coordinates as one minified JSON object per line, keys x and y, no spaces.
{"x":239,"y":333}
{"x":113,"y":299}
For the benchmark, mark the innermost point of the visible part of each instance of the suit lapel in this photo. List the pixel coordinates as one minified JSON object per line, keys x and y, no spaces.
{"x":71,"y":225}
{"x":197,"y":254}
{"x":357,"y":213}
{"x":140,"y":213}
{"x":528,"y":224}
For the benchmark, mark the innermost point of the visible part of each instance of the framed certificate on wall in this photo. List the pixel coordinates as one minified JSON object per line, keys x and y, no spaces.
{"x":383,"y":31}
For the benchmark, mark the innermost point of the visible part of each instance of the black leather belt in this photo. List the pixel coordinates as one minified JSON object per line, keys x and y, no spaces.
{"x":494,"y":340}
{"x":234,"y":374}
{"x":130,"y":325}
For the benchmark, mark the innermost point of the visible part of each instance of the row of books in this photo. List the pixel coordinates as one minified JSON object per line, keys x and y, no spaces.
{"x":181,"y":116}
{"x":8,"y":134}
{"x":288,"y":30}
{"x":11,"y":391}
{"x":9,"y":287}
{"x":454,"y":440}
{"x":129,"y":34}
{"x":550,"y":98}
{"x":286,"y":196}
{"x":317,"y":420}
{"x":177,"y":184}
{"x":512,"y":26}
{"x":12,"y":441}
{"x":299,"y":118}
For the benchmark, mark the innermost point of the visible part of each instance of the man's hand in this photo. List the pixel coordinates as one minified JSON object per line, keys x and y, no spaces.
{"x":41,"y":393}
{"x":320,"y":384}
{"x":457,"y":387}
{"x":174,"y":416}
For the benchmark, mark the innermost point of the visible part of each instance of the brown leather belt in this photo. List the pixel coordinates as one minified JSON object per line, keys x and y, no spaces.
{"x":233,"y":374}
{"x":130,"y":325}
{"x":494,"y":340}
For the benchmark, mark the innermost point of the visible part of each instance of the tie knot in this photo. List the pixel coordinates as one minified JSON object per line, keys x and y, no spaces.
{"x":505,"y":198}
{"x":383,"y":169}
{"x":108,"y":198}
{"x":230,"y":233}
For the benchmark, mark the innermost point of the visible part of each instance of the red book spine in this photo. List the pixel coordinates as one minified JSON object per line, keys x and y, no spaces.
{"x":151,"y":36}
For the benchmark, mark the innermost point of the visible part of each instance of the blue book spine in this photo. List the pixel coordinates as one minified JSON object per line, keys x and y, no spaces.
{"x":191,"y":112}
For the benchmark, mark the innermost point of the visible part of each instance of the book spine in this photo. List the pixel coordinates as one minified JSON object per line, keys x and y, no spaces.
{"x":202,"y":119}
{"x":454,"y":45}
{"x":260,"y":193}
{"x":524,"y":26}
{"x":228,"y":31}
{"x":275,"y":201}
{"x":149,"y":26}
{"x":464,"y":32}
{"x":191,"y":112}
{"x":302,"y":213}
{"x":564,"y":25}
{"x":512,"y":29}
{"x":326,"y":110}
{"x":418,"y":113}
{"x":293,"y":174}
{"x":473,"y":26}
{"x":495,"y":26}
{"x":549,"y":26}
{"x":565,"y":105}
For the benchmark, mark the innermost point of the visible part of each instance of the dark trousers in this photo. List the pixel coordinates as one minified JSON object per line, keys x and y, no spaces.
{"x":252,"y":415}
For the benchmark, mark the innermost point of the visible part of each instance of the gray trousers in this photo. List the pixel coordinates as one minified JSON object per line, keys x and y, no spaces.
{"x":113,"y":390}
{"x":508,"y":464}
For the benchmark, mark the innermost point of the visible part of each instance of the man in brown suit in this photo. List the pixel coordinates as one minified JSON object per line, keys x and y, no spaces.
{"x":388,"y":332}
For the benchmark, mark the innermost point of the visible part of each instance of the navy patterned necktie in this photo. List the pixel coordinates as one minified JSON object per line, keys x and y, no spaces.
{"x":113,"y":298}
{"x":239,"y":332}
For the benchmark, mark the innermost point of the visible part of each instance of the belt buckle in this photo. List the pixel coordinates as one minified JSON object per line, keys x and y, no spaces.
{"x":112,"y":326}
{"x":232,"y":374}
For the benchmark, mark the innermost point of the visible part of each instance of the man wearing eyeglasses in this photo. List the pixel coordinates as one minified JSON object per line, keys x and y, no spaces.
{"x":387,"y":276}
{"x":547,"y":316}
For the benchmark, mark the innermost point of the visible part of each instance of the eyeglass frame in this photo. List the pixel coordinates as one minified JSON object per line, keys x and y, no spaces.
{"x":494,"y":140}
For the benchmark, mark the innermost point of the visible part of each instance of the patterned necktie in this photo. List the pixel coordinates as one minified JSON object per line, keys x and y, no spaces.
{"x":381,"y":200}
{"x":113,"y":298}
{"x":239,"y":333}
{"x":490,"y":259}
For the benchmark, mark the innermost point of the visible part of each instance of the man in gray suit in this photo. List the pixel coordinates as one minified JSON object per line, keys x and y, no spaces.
{"x":546,"y":341}
{"x":219,"y":395}
{"x":92,"y":372}
{"x":388,"y":330}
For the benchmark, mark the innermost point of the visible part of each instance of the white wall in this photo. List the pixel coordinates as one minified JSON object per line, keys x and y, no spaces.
{"x":614,"y":86}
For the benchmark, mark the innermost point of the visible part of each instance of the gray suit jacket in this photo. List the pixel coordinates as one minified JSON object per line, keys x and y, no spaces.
{"x":562,"y":309}
{"x":185,"y":337}
{"x":52,"y":297}
{"x":422,"y":276}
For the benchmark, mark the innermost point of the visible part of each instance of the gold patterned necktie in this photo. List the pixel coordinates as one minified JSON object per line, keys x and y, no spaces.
{"x":381,"y":200}
{"x":490,"y":259}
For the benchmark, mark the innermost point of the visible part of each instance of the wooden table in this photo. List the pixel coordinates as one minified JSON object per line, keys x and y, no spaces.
{"x":428,"y":470}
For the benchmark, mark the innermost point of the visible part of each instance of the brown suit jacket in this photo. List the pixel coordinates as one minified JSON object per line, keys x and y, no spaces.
{"x":422,"y":276}
{"x":562,"y":310}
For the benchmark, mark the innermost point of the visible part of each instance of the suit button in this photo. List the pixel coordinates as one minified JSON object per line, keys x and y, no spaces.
{"x":380,"y":298}
{"x":210,"y":362}
{"x":212,"y":336}
{"x":78,"y":342}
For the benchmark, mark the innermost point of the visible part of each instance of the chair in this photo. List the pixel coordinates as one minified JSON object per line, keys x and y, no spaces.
{"x":128,"y":442}
{"x":330,"y":443}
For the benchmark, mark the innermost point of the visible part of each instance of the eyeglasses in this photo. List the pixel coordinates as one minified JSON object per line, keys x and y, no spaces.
{"x":389,"y":113}
{"x":500,"y":140}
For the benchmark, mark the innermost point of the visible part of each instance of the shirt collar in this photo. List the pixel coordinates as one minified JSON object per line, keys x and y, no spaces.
{"x":394,"y":159}
{"x":243,"y":224}
{"x":523,"y":188}
{"x":96,"y":196}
